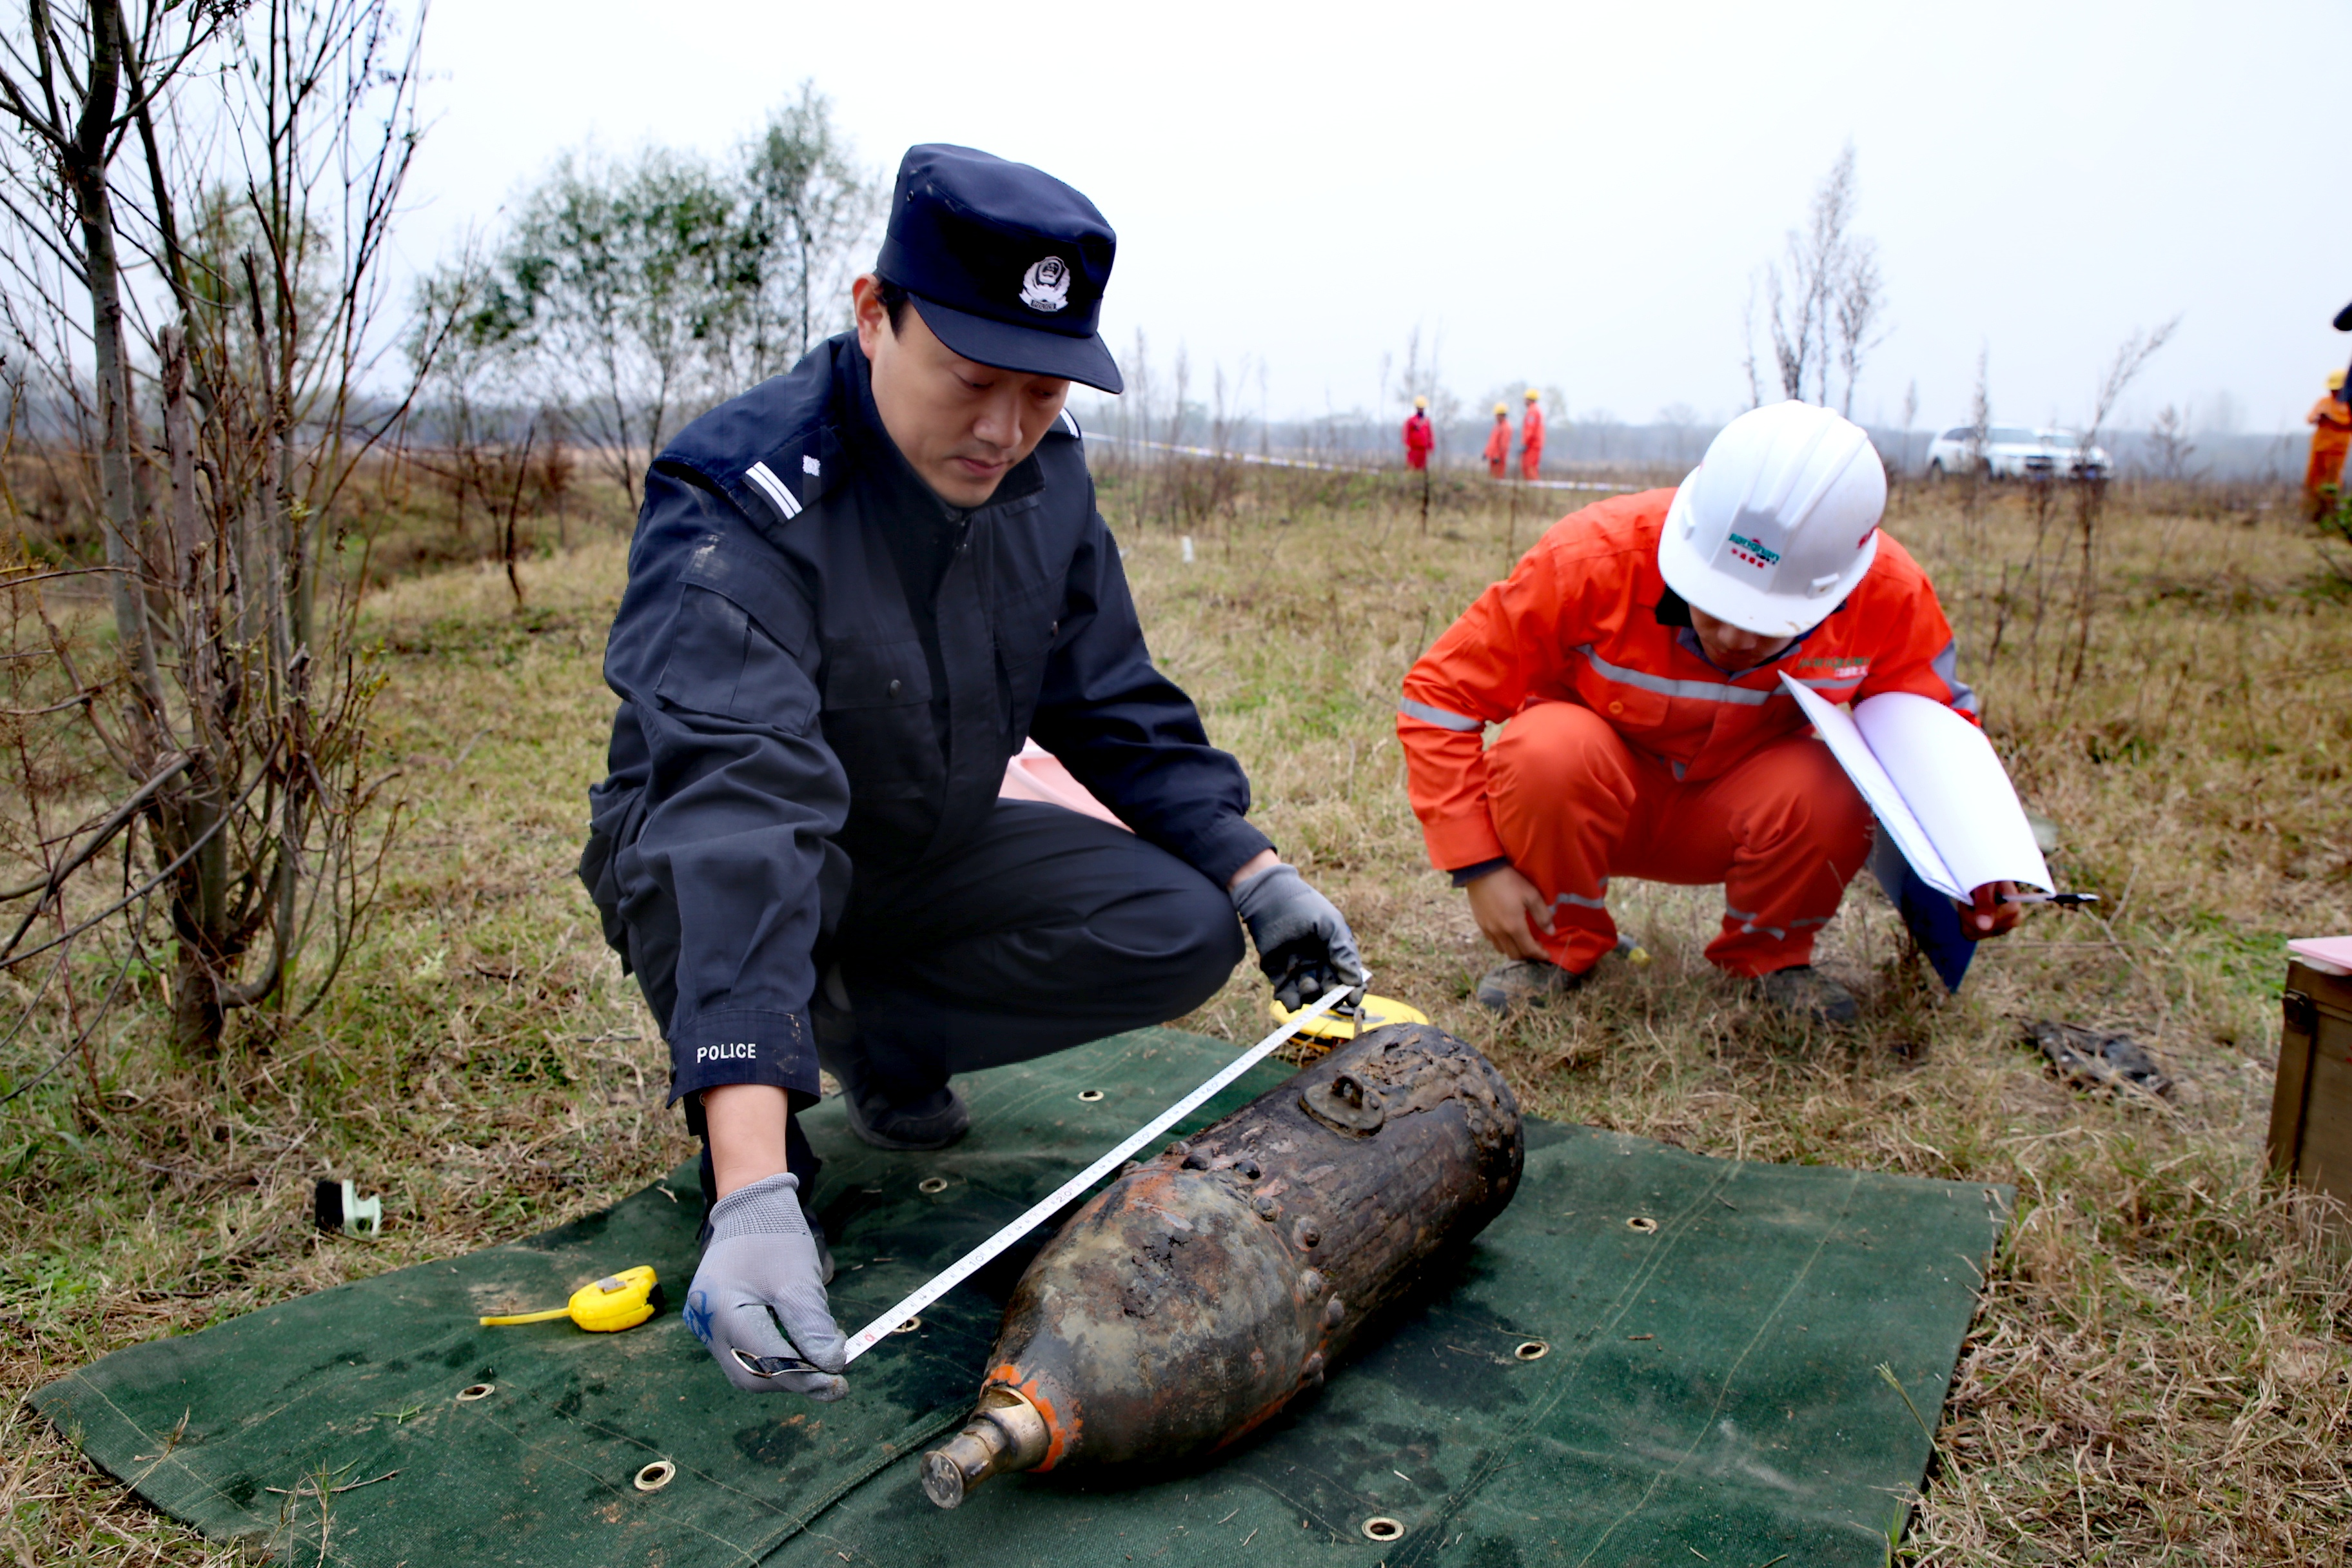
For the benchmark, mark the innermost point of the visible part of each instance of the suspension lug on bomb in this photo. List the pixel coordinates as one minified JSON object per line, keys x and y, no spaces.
{"x":1173,"y":1313}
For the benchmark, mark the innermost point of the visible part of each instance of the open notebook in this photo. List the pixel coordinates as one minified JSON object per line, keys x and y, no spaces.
{"x":1939,"y":790}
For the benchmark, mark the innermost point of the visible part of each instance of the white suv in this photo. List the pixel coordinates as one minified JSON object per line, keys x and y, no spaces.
{"x":2014,"y":452}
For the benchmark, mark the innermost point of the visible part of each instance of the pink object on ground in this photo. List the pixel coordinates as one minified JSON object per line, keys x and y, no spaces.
{"x":1037,"y":774}
{"x":2331,"y":954}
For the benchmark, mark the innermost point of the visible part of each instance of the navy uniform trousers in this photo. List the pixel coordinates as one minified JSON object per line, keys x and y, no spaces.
{"x":1045,"y":929}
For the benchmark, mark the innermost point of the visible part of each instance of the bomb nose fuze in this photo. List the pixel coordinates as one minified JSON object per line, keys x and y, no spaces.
{"x":1196,"y":1296}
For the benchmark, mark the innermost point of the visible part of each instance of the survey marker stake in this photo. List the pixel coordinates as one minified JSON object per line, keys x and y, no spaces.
{"x":963,"y":1267}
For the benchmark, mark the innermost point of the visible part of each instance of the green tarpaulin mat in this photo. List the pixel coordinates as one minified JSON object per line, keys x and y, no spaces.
{"x":1651,"y":1356}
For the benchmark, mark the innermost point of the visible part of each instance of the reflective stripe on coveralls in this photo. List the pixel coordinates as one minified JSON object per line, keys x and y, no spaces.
{"x":1577,"y":625}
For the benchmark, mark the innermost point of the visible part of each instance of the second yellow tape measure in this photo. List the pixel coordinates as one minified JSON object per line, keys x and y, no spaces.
{"x":617,"y":1301}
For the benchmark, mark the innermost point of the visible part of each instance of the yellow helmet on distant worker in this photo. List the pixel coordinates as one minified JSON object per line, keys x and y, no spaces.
{"x":1502,"y":408}
{"x":1533,"y":395}
{"x":2335,"y":381}
{"x":1421,"y":403}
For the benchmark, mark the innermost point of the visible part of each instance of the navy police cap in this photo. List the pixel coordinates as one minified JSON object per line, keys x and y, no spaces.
{"x":1006,"y":263}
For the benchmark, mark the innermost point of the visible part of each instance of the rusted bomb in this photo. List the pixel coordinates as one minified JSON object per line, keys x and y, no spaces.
{"x":1192,"y":1299}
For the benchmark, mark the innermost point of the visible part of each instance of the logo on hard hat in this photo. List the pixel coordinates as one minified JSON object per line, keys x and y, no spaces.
{"x":1753,"y":552}
{"x":1047,"y":285}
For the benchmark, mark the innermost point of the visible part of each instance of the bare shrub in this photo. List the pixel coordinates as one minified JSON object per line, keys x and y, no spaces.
{"x":213,"y":717}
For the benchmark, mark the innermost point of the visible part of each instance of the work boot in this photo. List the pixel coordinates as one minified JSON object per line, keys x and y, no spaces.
{"x":1805,"y":994}
{"x":1527,"y":983}
{"x":933,"y":1120}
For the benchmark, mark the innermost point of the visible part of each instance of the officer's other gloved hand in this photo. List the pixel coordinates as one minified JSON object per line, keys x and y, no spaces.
{"x":759,"y":1268}
{"x":1303,"y":942}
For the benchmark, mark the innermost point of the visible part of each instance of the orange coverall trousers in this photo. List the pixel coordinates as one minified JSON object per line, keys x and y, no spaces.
{"x":1783,"y":831}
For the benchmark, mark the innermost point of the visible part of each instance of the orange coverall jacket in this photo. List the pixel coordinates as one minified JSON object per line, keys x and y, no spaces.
{"x":1419,"y":437}
{"x":1499,"y":445}
{"x":2331,"y":435}
{"x":1577,"y":622}
{"x":1531,"y":437}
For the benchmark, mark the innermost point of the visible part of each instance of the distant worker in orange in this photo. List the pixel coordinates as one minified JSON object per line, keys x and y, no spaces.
{"x":1531,"y":436}
{"x":2331,"y":434}
{"x":1499,"y":441}
{"x":1418,"y":436}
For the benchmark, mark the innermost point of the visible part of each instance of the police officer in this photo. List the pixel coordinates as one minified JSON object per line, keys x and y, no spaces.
{"x":854,"y":590}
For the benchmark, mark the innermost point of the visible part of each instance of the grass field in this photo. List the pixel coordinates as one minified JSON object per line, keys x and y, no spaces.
{"x":2161,"y":1372}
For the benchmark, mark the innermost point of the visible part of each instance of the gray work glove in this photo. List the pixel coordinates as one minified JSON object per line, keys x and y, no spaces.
{"x":1303,"y":942}
{"x":759,"y":1268}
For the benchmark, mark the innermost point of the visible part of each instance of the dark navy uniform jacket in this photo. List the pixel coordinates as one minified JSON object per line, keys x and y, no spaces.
{"x":789,"y":711}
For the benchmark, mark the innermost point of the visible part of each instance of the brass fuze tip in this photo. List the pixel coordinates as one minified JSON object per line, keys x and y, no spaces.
{"x":1006,"y":1433}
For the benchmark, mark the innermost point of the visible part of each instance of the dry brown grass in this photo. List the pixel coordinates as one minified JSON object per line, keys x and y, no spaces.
{"x":2160,"y":1373}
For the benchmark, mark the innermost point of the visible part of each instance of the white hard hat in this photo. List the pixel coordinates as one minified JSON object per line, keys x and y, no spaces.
{"x":1780,"y":521}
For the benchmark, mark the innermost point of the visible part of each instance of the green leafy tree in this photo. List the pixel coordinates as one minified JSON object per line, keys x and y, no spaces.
{"x":630,"y":295}
{"x":807,"y":214}
{"x":631,"y":282}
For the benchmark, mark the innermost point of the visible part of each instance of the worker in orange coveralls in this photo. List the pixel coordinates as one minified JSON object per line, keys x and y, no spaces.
{"x":1499,"y":441}
{"x":1531,"y":436}
{"x":2331,"y":434}
{"x":1418,"y":436}
{"x":1633,"y":659}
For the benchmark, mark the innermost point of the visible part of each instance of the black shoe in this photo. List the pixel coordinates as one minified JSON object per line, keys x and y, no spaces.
{"x":1527,"y":983}
{"x":934,"y":1121}
{"x":1804,"y":994}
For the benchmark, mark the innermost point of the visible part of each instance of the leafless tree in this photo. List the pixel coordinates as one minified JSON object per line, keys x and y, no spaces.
{"x":233,"y":266}
{"x":1855,"y":310}
{"x":2172,"y":447}
{"x":2130,"y":358}
{"x":1823,"y":299}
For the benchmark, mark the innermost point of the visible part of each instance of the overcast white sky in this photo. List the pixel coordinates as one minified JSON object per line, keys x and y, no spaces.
{"x":1571,"y":193}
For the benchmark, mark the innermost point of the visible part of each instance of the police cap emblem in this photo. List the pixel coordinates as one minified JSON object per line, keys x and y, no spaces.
{"x":1047,"y":285}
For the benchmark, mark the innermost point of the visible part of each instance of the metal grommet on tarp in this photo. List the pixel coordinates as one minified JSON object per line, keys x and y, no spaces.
{"x":1382,"y":1528}
{"x":1532,"y":1350}
{"x":471,"y":1392}
{"x":1644,"y":1224}
{"x":932,"y":1184}
{"x":655,"y":1476}
{"x":1090,"y":1095}
{"x":908,"y":1327}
